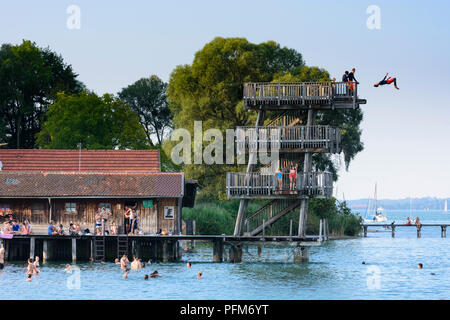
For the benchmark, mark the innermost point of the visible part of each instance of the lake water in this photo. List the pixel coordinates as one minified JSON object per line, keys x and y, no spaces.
{"x":335,"y":271}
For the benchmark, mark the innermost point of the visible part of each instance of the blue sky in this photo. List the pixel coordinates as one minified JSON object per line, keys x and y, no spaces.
{"x":406,"y":132}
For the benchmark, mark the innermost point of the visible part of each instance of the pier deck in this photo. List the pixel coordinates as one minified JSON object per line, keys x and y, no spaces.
{"x":392,"y":226}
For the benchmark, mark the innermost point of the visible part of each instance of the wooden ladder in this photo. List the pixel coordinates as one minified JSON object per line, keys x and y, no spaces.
{"x":99,"y":248}
{"x":122,"y":245}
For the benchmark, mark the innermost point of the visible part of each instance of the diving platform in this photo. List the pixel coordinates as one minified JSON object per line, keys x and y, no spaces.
{"x":289,"y":139}
{"x":301,"y":95}
{"x":257,"y":185}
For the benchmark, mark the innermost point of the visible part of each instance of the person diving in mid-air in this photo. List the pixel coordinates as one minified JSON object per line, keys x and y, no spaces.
{"x":387,"y":81}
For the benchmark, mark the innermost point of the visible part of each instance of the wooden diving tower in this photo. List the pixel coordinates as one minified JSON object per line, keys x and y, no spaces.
{"x":294,"y":135}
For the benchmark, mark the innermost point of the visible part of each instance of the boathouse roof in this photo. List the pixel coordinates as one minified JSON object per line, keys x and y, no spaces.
{"x":90,"y":185}
{"x":43,"y":160}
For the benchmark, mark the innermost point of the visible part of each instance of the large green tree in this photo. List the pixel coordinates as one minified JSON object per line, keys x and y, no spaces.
{"x":95,"y":122}
{"x":30,"y":78}
{"x":211,"y":90}
{"x":147,"y":97}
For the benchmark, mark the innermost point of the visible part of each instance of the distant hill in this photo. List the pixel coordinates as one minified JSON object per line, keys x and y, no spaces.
{"x":403,"y":204}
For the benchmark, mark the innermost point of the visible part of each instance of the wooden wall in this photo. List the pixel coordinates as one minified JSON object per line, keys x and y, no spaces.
{"x":37,"y":211}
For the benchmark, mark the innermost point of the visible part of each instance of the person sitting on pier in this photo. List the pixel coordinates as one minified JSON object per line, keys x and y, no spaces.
{"x":71,"y":229}
{"x":114,"y":228}
{"x":61,"y":230}
{"x":15,"y":227}
{"x":26,"y":229}
{"x":408,"y":221}
{"x":387,"y":81}
{"x":417,"y":223}
{"x":51,"y":230}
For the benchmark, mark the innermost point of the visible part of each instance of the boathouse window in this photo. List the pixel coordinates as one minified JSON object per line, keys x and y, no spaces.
{"x":105,"y":205}
{"x":71,"y":207}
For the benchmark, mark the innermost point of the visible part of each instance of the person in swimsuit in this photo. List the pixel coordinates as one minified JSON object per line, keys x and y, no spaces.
{"x":280,"y":179}
{"x":2,"y":258}
{"x":292,"y":178}
{"x":387,"y":81}
{"x":124,"y":262}
{"x":126,"y":219}
{"x":98,"y":222}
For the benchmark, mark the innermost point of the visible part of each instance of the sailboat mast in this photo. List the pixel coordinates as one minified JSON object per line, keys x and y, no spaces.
{"x":376,"y":204}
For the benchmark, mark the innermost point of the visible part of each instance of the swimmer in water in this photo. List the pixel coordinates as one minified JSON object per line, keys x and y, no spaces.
{"x":36,"y":261}
{"x":136,"y":264}
{"x":420,"y":266}
{"x":116,"y":261}
{"x":124,"y":262}
{"x":155,"y":274}
{"x":199,"y":275}
{"x":125,"y":275}
{"x":146,"y":277}
{"x":67,"y":268}
{"x":29,"y":278}
{"x":31,"y":269}
{"x":189,"y":265}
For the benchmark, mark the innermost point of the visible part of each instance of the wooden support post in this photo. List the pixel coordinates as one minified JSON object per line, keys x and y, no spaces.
{"x":6,"y":246}
{"x":264,"y":228}
{"x":74,"y":249}
{"x":92,"y":258}
{"x":45,"y":251}
{"x":32,"y":247}
{"x":365,"y":231}
{"x":260,"y":250}
{"x":320,"y":230}
{"x":419,"y":231}
{"x":393,"y":231}
{"x":218,"y":250}
{"x":301,"y":254}
{"x":290,"y":229}
{"x":165,"y":251}
{"x":243,"y":205}
{"x":444,"y":232}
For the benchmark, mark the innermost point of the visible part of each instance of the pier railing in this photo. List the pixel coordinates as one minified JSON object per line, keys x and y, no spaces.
{"x":256,"y":184}
{"x":300,"y":93}
{"x":250,"y":139}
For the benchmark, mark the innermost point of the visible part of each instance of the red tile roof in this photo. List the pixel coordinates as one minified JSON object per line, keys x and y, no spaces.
{"x":115,"y":185}
{"x":43,"y":160}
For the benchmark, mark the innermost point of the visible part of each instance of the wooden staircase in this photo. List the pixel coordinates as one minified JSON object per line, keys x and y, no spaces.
{"x":268,"y":215}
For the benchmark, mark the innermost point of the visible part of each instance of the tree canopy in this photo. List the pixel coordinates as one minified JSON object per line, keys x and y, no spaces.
{"x":211,"y":90}
{"x":147,"y":97}
{"x":95,"y":122}
{"x":30,"y":78}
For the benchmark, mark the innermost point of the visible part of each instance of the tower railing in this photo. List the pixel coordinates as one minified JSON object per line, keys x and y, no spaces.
{"x":299,"y":93}
{"x":257,"y":184}
{"x":250,"y":139}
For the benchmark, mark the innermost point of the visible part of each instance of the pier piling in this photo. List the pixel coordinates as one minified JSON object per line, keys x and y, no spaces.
{"x":74,"y":249}
{"x":45,"y":251}
{"x":393,"y":231}
{"x":301,"y":254}
{"x":218,"y":251}
{"x":32,"y":247}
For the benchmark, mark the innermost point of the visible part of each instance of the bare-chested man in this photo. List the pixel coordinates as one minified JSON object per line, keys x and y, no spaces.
{"x":2,"y":257}
{"x":124,"y":262}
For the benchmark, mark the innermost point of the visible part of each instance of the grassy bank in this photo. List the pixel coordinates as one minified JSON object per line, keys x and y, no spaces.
{"x":218,"y":217}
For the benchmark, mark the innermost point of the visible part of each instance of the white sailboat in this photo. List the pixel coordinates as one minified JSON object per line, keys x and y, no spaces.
{"x":378,"y":215}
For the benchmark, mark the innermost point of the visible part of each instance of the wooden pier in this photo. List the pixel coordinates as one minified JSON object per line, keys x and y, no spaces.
{"x":155,"y":247}
{"x":419,"y":228}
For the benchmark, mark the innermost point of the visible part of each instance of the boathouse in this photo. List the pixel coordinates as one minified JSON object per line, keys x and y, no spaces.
{"x":71,"y":185}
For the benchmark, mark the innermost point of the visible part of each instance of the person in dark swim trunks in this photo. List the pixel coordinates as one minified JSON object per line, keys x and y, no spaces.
{"x":387,"y":81}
